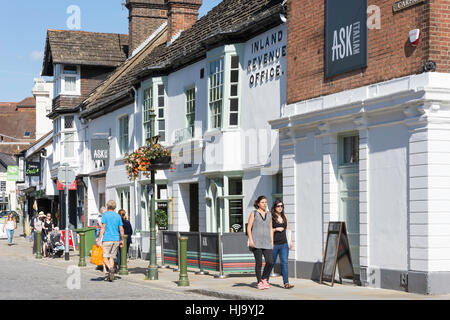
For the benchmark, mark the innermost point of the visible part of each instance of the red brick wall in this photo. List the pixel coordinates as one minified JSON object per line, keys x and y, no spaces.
{"x":389,"y":53}
{"x":182,"y":15}
{"x":439,"y":34}
{"x":145,"y":16}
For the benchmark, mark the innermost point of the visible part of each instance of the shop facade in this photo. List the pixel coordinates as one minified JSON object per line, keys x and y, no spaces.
{"x":363,"y":140}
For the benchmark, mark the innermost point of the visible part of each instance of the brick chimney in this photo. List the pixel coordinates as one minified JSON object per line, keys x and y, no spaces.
{"x":182,"y":15}
{"x":145,"y":16}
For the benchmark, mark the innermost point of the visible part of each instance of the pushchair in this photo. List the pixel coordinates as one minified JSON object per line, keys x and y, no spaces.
{"x":55,"y":244}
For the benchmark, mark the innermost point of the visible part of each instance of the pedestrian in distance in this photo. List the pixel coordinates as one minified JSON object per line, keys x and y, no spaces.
{"x":260,"y":240}
{"x":111,"y":236}
{"x":47,"y":228}
{"x":32,"y":230}
{"x":128,"y":230}
{"x":10,"y":225}
{"x":99,"y":227}
{"x":99,"y":220}
{"x":38,"y":225}
{"x":281,"y":246}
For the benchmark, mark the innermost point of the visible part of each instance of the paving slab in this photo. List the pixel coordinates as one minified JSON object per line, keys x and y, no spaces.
{"x":235,"y":287}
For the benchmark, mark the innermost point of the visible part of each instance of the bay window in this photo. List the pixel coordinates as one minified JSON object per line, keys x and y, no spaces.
{"x":123,"y":135}
{"x":216,"y":81}
{"x":148,"y":105}
{"x":190,"y":111}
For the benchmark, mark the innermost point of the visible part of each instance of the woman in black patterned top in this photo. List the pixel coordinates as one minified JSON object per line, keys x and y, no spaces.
{"x":280,"y":242}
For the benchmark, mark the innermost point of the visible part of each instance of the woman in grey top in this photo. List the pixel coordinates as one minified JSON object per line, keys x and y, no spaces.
{"x":260,"y":240}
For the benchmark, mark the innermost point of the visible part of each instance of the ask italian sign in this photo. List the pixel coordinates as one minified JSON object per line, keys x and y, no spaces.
{"x":100,"y":149}
{"x":345,"y":36}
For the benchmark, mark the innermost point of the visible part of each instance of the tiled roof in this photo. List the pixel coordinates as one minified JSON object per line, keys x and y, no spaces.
{"x":230,"y":21}
{"x":5,"y":161}
{"x":27,"y":102}
{"x":84,"y":48}
{"x":14,"y":122}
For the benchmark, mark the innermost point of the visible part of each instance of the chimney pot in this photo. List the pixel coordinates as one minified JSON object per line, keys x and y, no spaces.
{"x":182,"y":14}
{"x":144,"y":18}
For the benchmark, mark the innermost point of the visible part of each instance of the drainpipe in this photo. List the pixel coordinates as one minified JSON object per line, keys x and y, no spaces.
{"x":136,"y":198}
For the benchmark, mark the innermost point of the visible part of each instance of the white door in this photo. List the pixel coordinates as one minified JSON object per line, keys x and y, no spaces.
{"x":348,"y":179}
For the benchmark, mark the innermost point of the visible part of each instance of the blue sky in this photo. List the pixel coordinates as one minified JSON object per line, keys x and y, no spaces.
{"x":23,"y":25}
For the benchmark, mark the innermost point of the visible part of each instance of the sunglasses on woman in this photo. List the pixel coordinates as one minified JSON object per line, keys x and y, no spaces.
{"x":280,"y":206}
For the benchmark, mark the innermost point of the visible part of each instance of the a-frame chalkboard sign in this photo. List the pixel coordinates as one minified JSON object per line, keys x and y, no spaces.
{"x":337,"y":253}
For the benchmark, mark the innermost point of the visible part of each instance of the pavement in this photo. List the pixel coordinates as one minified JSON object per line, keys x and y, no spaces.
{"x":234,"y":287}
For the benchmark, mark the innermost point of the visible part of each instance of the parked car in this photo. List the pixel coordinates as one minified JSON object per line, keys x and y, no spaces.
{"x":5,"y":213}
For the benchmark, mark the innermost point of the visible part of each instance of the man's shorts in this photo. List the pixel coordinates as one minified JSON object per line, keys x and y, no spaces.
{"x":110,"y":249}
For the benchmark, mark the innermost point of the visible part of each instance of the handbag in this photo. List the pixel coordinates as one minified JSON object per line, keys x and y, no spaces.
{"x":288,"y":236}
{"x":97,"y":255}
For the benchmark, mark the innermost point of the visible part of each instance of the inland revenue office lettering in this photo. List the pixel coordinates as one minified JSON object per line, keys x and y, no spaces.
{"x":265,"y":65}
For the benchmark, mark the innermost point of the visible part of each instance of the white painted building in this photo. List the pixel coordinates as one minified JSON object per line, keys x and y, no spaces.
{"x":43,"y":93}
{"x":377,"y":158}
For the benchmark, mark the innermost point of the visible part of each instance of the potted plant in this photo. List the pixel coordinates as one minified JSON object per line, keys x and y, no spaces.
{"x":147,"y":158}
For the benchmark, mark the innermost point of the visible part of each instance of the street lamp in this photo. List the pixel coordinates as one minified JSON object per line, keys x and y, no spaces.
{"x":152,"y":273}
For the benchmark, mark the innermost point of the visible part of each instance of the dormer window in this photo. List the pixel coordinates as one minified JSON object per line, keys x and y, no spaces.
{"x":67,"y":80}
{"x":27,"y":134}
{"x":70,"y":78}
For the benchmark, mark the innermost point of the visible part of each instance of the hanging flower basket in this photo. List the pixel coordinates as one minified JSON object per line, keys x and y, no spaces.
{"x":147,"y":158}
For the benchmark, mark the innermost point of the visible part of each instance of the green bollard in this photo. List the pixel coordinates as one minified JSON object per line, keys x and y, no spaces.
{"x":82,"y":248}
{"x":123,"y":257}
{"x":38,"y":245}
{"x":183,"y":281}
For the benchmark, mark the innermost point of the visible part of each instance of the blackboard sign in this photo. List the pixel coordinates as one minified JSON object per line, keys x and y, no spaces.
{"x":337,"y":253}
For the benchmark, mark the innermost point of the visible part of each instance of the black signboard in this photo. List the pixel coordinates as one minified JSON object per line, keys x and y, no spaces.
{"x":337,"y":253}
{"x":33,"y":169}
{"x":345,"y":36}
{"x":100,"y":149}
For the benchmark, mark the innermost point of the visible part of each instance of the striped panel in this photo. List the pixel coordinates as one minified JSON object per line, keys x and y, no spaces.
{"x":210,"y":261}
{"x":170,"y":257}
{"x":239,"y":263}
{"x":192,"y":259}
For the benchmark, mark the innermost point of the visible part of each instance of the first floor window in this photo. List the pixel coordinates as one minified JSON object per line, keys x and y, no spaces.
{"x":190,"y":110}
{"x":216,"y":81}
{"x":148,"y":105}
{"x":161,"y":113}
{"x":123,"y":135}
{"x":69,"y":145}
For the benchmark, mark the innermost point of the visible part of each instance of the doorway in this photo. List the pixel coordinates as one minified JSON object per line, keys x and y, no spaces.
{"x":348,"y":184}
{"x":193,"y":208}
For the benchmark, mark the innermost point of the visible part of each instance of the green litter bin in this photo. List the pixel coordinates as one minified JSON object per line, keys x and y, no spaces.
{"x":89,"y":238}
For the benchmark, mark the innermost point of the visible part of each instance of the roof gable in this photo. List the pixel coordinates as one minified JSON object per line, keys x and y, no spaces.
{"x":83,"y":48}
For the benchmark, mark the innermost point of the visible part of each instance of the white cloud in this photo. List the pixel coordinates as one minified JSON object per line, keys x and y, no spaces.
{"x":36,"y":55}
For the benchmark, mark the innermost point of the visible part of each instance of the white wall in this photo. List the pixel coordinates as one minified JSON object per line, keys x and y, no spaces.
{"x":388,"y":188}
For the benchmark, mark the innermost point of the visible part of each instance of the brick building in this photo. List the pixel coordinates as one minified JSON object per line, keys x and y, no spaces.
{"x":17,"y":125}
{"x":364,"y":138}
